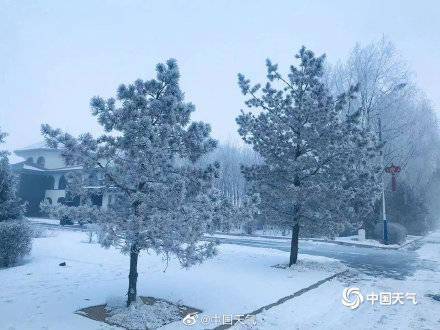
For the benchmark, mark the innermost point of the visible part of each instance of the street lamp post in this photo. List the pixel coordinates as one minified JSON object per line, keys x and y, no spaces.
{"x":384,"y":213}
{"x":393,"y":170}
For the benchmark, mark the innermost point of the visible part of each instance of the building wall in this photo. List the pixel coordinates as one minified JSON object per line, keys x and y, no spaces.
{"x":51,"y":188}
{"x":32,"y":189}
{"x":53,"y":158}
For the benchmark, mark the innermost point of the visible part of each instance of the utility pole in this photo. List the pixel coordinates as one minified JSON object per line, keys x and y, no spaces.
{"x":384,"y":213}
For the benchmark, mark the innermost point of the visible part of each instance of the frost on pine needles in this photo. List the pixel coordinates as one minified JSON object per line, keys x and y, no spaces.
{"x":319,"y":171}
{"x":149,"y":158}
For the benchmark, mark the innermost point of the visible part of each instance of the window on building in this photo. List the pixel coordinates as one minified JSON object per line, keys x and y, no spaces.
{"x":50,"y":182}
{"x":63,"y":182}
{"x":96,"y":199}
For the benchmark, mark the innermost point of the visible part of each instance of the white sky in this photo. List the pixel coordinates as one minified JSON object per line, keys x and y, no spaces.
{"x":56,"y":55}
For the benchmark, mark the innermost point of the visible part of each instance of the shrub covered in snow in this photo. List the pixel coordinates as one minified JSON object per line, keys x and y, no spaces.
{"x":15,"y":241}
{"x":66,"y":221}
{"x":10,"y":205}
{"x":68,"y":215}
{"x":396,"y":233}
{"x":228,"y":216}
{"x":15,"y":234}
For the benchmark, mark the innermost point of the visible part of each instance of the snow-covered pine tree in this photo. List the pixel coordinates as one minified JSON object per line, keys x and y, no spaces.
{"x":148,"y":156}
{"x":362,"y":180}
{"x":308,"y":147}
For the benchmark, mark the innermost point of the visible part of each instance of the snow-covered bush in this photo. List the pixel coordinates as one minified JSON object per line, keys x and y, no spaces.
{"x":10,"y":205}
{"x":228,"y":216}
{"x":92,"y":230}
{"x":15,"y":241}
{"x":247,"y":213}
{"x":66,"y":221}
{"x":396,"y":233}
{"x":68,"y":215}
{"x":406,"y":207}
{"x":15,"y":234}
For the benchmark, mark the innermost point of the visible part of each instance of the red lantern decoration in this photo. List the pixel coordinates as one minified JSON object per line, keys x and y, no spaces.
{"x":393,"y":170}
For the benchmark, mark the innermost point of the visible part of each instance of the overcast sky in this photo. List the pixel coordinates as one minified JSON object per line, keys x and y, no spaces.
{"x":56,"y":55}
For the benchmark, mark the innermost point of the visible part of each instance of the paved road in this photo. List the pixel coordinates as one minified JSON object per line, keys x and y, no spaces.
{"x":396,"y":264}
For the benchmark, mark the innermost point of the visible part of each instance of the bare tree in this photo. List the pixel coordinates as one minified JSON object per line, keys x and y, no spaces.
{"x":387,"y":92}
{"x":388,"y":95}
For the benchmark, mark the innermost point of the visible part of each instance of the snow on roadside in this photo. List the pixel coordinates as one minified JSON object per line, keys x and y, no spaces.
{"x":318,"y":263}
{"x":45,"y":221}
{"x":322,"y":308}
{"x":347,"y":240}
{"x":430,"y":250}
{"x":248,"y":237}
{"x":370,"y":242}
{"x":41,"y":294}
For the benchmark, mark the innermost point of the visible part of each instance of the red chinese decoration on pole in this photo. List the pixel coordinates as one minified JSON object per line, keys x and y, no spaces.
{"x":393,"y":170}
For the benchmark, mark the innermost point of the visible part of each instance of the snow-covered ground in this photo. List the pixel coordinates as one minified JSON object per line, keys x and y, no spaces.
{"x":40,"y":294}
{"x":45,"y":221}
{"x":322,"y":308}
{"x":371,"y":242}
{"x":430,"y":250}
{"x":246,"y":237}
{"x":273,"y":234}
{"x":347,"y":240}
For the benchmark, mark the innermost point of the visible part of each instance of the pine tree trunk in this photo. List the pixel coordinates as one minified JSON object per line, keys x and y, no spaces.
{"x":132,"y":277}
{"x":294,"y":244}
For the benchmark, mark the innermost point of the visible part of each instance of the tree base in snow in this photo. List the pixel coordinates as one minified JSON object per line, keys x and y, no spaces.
{"x":146,"y":313}
{"x":319,"y":263}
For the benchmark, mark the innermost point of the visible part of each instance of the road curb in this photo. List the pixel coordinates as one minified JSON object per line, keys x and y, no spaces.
{"x":352,"y":244}
{"x":412,"y":242}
